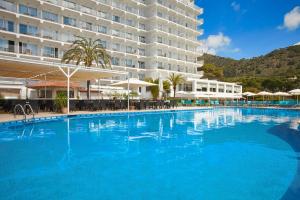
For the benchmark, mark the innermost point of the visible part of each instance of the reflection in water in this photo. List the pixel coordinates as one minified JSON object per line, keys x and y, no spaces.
{"x":157,"y":149}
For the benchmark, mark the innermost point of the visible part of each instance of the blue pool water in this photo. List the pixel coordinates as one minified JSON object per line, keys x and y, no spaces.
{"x":223,"y":153}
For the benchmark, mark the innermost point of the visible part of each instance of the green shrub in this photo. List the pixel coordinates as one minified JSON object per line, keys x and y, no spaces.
{"x":61,"y":100}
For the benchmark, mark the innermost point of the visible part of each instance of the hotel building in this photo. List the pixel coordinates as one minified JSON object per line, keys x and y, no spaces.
{"x":146,"y":38}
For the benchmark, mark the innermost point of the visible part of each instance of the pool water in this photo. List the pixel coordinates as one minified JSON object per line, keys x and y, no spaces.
{"x":222,"y":153}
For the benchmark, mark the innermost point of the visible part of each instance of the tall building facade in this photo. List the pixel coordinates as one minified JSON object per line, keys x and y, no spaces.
{"x":146,"y":38}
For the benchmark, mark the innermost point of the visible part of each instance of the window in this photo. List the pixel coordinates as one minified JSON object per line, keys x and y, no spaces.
{"x":69,"y":21}
{"x":6,"y":25}
{"x":28,"y":30}
{"x":129,"y":22}
{"x":50,"y":16}
{"x":129,"y":49}
{"x":7,"y":45}
{"x":142,"y":52}
{"x":27,"y":10}
{"x":129,"y":36}
{"x":102,"y":14}
{"x":129,"y":63}
{"x":103,"y":43}
{"x":115,"y":61}
{"x":159,"y":52}
{"x":50,"y":52}
{"x":115,"y":32}
{"x":159,"y":39}
{"x":115,"y":47}
{"x":27,"y":48}
{"x":141,"y":64}
{"x":116,"y":18}
{"x":159,"y":14}
{"x":102,"y":29}
{"x":142,"y":39}
{"x":159,"y":65}
{"x":142,"y":26}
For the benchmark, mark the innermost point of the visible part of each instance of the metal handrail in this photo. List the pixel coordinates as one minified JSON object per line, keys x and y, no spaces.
{"x":30,"y":109}
{"x":22,"y":109}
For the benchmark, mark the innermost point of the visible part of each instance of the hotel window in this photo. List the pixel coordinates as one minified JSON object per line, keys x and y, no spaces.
{"x":6,"y":25}
{"x":129,"y":36}
{"x":28,"y":30}
{"x":159,"y":14}
{"x":159,"y":52}
{"x":50,"y":34}
{"x":102,"y":14}
{"x":129,"y":63}
{"x":129,"y":49}
{"x":102,"y":29}
{"x":142,"y":39}
{"x":69,"y":21}
{"x":115,"y":32}
{"x":116,"y":47}
{"x":116,"y":18}
{"x":141,"y":64}
{"x":142,"y":52}
{"x":115,"y":61}
{"x":69,"y":4}
{"x":212,"y":89}
{"x":169,"y":66}
{"x":50,"y":16}
{"x":85,"y":9}
{"x":159,"y":39}
{"x":86,"y":25}
{"x":26,"y":48}
{"x":50,"y":52}
{"x":103,"y":43}
{"x":27,"y":10}
{"x":142,"y":26}
{"x":159,"y":65}
{"x":221,"y":89}
{"x":7,"y":45}
{"x":129,"y":22}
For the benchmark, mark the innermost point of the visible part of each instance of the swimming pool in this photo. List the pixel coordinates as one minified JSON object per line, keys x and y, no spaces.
{"x":222,"y":153}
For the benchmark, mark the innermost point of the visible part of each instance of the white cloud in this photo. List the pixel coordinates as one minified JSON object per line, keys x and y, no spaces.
{"x":292,"y":19}
{"x":297,"y":44}
{"x":215,"y":43}
{"x":236,"y":6}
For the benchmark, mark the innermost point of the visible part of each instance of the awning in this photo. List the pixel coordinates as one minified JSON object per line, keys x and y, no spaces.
{"x":133,"y":83}
{"x":30,"y":69}
{"x":52,"y":84}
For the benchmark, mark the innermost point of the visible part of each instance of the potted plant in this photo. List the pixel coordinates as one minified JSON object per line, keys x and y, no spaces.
{"x":61,"y":102}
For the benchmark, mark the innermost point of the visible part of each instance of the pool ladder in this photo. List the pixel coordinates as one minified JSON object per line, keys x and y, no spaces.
{"x":23,"y":110}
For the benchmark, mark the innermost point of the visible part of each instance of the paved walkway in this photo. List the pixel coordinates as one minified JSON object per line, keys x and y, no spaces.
{"x":10,"y":117}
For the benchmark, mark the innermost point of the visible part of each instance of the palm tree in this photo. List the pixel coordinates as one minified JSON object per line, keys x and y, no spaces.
{"x":166,"y":88}
{"x":87,"y":51}
{"x":153,"y":89}
{"x":176,"y":80}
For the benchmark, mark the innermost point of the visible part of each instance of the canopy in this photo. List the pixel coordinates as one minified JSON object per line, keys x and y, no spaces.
{"x":37,"y":70}
{"x":281,"y":94}
{"x":133,"y":83}
{"x":295,"y":92}
{"x":248,"y":94}
{"x":29,"y":69}
{"x":264,"y":93}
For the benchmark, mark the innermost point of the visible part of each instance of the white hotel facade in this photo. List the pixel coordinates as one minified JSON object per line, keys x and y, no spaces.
{"x":146,"y":38}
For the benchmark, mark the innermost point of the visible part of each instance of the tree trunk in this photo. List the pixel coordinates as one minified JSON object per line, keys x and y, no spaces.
{"x":174,"y":88}
{"x":88,"y":92}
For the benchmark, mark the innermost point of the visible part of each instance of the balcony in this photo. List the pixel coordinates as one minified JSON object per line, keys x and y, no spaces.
{"x":6,"y":5}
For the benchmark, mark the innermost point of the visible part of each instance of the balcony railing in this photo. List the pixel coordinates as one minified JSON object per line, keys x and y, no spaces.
{"x":6,"y":5}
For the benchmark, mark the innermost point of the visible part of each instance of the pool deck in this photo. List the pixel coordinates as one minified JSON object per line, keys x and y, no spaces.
{"x":10,"y":117}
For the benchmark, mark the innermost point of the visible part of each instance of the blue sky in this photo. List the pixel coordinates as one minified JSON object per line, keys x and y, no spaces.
{"x":248,"y":28}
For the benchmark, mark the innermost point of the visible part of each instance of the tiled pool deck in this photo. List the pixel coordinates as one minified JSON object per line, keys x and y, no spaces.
{"x":10,"y":119}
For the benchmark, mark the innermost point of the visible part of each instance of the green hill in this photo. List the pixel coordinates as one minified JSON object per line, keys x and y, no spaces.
{"x":278,"y":70}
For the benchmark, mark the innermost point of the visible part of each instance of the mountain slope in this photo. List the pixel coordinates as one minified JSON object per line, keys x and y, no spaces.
{"x":280,"y":69}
